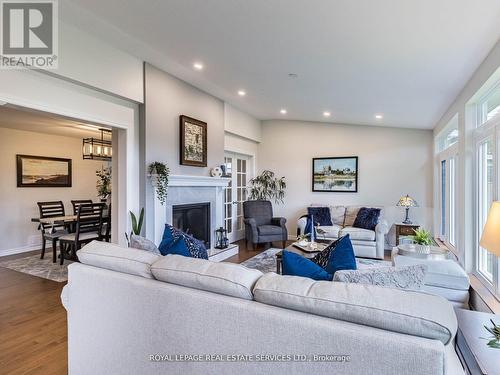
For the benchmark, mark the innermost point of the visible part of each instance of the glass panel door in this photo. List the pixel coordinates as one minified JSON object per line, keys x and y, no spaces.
{"x":237,"y":168}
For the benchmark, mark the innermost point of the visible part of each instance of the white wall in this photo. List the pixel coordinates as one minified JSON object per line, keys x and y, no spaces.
{"x":85,"y":59}
{"x":392,"y":162}
{"x":18,"y":205}
{"x":242,"y":124}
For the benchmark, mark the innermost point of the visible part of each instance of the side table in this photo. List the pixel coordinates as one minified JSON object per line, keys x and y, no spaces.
{"x":475,"y":355}
{"x":405,"y":230}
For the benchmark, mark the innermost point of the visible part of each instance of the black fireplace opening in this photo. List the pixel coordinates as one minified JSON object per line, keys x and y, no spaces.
{"x":193,"y":219}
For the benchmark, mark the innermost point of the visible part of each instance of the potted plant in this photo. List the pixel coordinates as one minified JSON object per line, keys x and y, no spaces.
{"x":423,"y":239}
{"x":103,"y":184}
{"x":267,"y":187}
{"x":159,"y":173}
{"x":136,"y":225}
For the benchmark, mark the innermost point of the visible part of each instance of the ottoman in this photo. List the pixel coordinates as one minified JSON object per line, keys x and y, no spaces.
{"x":444,"y":278}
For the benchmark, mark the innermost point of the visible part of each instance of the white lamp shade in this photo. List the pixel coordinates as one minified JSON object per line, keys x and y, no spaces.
{"x":490,"y":239}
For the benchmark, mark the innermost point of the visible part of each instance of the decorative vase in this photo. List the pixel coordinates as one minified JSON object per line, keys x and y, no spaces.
{"x":423,"y":249}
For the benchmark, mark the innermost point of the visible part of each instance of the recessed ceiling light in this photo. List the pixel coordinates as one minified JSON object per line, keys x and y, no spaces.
{"x":242,"y":92}
{"x":379,"y":116}
{"x":198,"y":66}
{"x":326,"y":114}
{"x":283,"y":111}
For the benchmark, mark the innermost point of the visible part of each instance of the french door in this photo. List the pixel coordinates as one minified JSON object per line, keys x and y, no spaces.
{"x":238,"y":169}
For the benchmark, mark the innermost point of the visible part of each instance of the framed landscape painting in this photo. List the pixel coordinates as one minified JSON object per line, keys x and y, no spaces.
{"x":335,"y":174}
{"x":41,"y":171}
{"x":193,"y":142}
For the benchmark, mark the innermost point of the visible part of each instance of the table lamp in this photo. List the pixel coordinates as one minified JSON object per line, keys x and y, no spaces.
{"x":407,"y":202}
{"x":490,"y":239}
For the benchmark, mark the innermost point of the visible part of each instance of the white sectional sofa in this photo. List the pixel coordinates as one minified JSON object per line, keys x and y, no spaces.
{"x":133,"y":312}
{"x":366,"y":243}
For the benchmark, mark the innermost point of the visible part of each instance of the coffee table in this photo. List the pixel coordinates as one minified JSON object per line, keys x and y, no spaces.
{"x":294,"y":249}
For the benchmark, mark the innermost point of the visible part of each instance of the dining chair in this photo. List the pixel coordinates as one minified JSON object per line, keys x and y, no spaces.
{"x":106,"y":225}
{"x":77,"y":202}
{"x":50,"y":231}
{"x":88,"y":228}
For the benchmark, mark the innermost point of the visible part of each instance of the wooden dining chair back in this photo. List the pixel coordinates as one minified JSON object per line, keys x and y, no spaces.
{"x":51,"y":232}
{"x":88,"y":228}
{"x":77,"y":202}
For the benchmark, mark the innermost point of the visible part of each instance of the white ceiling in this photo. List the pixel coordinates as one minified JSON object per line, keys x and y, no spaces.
{"x":407,"y":59}
{"x":41,"y":122}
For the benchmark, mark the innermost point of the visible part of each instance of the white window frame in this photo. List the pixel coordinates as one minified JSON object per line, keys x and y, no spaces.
{"x":485,"y":131}
{"x":451,"y":183}
{"x":481,"y":106}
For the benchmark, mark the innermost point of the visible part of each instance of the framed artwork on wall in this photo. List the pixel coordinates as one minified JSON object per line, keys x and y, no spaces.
{"x":193,"y":142}
{"x":335,"y":174}
{"x":42,"y":171}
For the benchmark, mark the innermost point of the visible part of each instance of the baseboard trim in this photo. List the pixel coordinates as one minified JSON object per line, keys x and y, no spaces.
{"x":19,"y":250}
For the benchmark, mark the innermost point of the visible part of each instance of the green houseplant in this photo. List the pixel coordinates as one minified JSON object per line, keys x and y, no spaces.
{"x":423,"y":239}
{"x":103,"y":184}
{"x":267,"y":187}
{"x":136,"y":224}
{"x":159,"y":173}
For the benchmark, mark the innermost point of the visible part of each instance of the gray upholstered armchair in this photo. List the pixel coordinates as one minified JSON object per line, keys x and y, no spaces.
{"x":261,"y":226}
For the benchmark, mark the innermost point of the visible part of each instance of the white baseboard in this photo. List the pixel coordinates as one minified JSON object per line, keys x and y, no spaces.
{"x":19,"y":250}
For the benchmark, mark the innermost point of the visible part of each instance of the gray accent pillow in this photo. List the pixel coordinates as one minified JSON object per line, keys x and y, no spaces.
{"x":407,"y":277}
{"x":142,"y":243}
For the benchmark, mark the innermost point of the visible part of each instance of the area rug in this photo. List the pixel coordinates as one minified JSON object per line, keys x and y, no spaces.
{"x":266,"y":262}
{"x":44,"y":268}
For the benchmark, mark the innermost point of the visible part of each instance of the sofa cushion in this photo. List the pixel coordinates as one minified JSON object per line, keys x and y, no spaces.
{"x":408,"y":277}
{"x":367,"y":218}
{"x":337,"y":214}
{"x":321,"y":215}
{"x":267,"y":230}
{"x":224,"y":278}
{"x":358,"y":234}
{"x":350,"y":215}
{"x":396,"y":310}
{"x":296,"y":265}
{"x":341,"y":256}
{"x":175,"y":241}
{"x":444,"y":273}
{"x":116,"y":258}
{"x":330,"y":231}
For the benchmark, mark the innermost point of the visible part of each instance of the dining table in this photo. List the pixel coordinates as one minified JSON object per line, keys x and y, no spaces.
{"x":66,"y":220}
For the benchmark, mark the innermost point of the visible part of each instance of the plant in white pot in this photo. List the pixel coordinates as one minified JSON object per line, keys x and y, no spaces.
{"x":159,"y":172}
{"x":423,"y":239}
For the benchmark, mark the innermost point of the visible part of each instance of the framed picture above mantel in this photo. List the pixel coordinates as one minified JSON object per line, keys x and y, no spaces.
{"x":335,"y":174}
{"x":193,"y":142}
{"x":43,"y":171}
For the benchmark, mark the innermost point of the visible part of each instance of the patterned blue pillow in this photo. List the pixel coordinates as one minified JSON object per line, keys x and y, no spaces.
{"x":367,"y":218}
{"x":321,"y":215}
{"x":175,"y":241}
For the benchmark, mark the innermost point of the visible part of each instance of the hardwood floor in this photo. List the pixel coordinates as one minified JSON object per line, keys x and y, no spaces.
{"x":33,"y":334}
{"x":33,"y":327}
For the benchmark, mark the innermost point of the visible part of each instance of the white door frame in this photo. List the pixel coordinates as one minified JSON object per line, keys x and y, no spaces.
{"x":42,"y":92}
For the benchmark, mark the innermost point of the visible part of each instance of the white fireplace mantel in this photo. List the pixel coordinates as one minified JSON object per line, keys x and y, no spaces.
{"x":186,"y":180}
{"x":192,"y":187}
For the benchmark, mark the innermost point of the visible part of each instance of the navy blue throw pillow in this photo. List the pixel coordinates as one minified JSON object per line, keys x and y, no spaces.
{"x":321,"y":259}
{"x":175,"y":241}
{"x":367,"y":218}
{"x":342,"y":256}
{"x":296,"y":265}
{"x":321,"y":215}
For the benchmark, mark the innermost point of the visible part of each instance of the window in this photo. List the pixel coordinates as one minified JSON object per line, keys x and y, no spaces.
{"x":447,"y":160}
{"x":485,"y":191}
{"x":489,"y":105}
{"x":448,"y":136}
